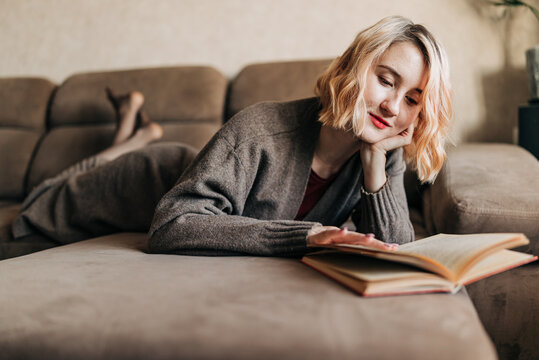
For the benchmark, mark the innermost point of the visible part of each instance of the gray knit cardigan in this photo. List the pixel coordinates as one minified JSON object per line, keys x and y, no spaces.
{"x":242,"y":192}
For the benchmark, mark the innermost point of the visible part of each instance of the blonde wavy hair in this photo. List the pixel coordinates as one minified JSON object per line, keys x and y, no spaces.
{"x":341,"y":89}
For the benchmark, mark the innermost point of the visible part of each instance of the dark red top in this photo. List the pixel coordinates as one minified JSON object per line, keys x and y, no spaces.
{"x":316,"y":187}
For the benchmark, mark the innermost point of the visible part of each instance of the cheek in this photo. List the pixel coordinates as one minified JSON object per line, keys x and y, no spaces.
{"x":406,"y":118}
{"x":372,"y":92}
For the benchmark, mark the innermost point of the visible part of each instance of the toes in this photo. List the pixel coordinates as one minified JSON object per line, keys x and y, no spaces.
{"x":136,"y":98}
{"x":156,"y":130}
{"x":131,"y":99}
{"x":151,"y":132}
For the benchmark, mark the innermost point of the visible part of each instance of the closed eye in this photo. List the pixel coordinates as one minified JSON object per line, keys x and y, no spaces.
{"x":411,"y":101}
{"x":384,"y":81}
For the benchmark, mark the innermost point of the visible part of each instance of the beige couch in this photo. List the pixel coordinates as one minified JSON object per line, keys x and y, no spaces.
{"x":108,"y":298}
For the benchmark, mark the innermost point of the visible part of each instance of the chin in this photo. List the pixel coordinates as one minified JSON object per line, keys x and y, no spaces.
{"x":370,"y":137}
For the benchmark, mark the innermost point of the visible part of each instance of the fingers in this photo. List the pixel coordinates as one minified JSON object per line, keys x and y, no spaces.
{"x":402,"y":139}
{"x":325,"y":236}
{"x":365,"y":240}
{"x":343,"y":236}
{"x":397,"y":141}
{"x":410,"y":132}
{"x":407,"y":134}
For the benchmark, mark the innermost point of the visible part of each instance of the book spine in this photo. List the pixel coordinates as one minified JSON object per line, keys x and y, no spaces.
{"x":369,"y":295}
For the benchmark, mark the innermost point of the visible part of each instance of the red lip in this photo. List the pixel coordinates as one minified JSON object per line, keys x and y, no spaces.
{"x":379,"y":122}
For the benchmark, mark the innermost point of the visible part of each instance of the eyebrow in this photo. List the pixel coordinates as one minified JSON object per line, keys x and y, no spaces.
{"x":397,"y":75}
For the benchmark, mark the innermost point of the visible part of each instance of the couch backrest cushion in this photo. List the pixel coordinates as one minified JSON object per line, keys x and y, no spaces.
{"x":23,"y":104}
{"x":187,"y":101}
{"x":278,"y":81}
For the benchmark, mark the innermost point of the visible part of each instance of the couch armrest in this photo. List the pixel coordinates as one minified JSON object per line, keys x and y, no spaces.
{"x":486,"y":188}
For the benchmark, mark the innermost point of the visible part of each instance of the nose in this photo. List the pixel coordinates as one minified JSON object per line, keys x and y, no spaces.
{"x":390,"y":106}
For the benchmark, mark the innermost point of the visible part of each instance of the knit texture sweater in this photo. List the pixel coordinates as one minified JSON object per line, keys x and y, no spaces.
{"x":243,"y":190}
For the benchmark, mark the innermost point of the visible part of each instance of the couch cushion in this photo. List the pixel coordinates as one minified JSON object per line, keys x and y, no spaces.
{"x":24,"y":104}
{"x":187,"y":101}
{"x":173,"y":94}
{"x":16,"y":147}
{"x":30,"y":244}
{"x":486,"y":188}
{"x":508,"y":305}
{"x":82,"y":142}
{"x":278,"y":81}
{"x":107,"y":298}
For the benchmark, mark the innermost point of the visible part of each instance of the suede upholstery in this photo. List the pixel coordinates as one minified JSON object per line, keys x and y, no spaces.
{"x":486,"y":187}
{"x":73,"y":143}
{"x":107,"y":298}
{"x":274,"y":81}
{"x":509,"y":309}
{"x":23,"y":104}
{"x":45,"y":129}
{"x":82,"y":120}
{"x":494,"y":188}
{"x":184,"y":94}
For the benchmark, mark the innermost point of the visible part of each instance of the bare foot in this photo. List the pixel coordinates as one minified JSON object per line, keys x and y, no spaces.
{"x":127,"y":109}
{"x":142,"y":137}
{"x":146,"y":134}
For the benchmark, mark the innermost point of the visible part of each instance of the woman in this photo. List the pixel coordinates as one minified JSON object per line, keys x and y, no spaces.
{"x":278,"y":176}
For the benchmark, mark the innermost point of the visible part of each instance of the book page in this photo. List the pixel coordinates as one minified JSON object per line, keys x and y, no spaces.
{"x":368,"y":269}
{"x":491,"y":265}
{"x":373,"y":277}
{"x":445,"y":254}
{"x":459,"y":252}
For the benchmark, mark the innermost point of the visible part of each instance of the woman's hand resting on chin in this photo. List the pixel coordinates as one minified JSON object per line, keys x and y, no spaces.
{"x":373,"y":158}
{"x":325,"y":235}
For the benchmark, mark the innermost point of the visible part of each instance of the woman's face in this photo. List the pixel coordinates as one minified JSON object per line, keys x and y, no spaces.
{"x":393,"y":92}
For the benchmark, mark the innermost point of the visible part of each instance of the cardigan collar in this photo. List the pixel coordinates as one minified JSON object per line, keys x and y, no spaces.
{"x":308,"y":134}
{"x":339,"y":199}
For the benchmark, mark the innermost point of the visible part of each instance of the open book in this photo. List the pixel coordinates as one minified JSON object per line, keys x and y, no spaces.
{"x":440,"y":263}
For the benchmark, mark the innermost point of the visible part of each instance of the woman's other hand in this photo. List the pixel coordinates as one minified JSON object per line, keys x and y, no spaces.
{"x":325,"y":235}
{"x":373,"y":158}
{"x":394,"y":142}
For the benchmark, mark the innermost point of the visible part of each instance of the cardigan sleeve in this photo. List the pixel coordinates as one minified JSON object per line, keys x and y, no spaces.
{"x":385,"y":213}
{"x":202,"y":213}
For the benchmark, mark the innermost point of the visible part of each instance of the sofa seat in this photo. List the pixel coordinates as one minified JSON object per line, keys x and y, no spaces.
{"x":10,"y":248}
{"x":107,"y":298}
{"x":508,"y":306}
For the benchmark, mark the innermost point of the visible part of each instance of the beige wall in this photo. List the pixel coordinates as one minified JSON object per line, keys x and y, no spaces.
{"x":56,"y":38}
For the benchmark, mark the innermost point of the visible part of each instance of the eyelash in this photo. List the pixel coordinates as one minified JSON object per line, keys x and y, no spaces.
{"x":411,"y":101}
{"x":384,"y":81}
